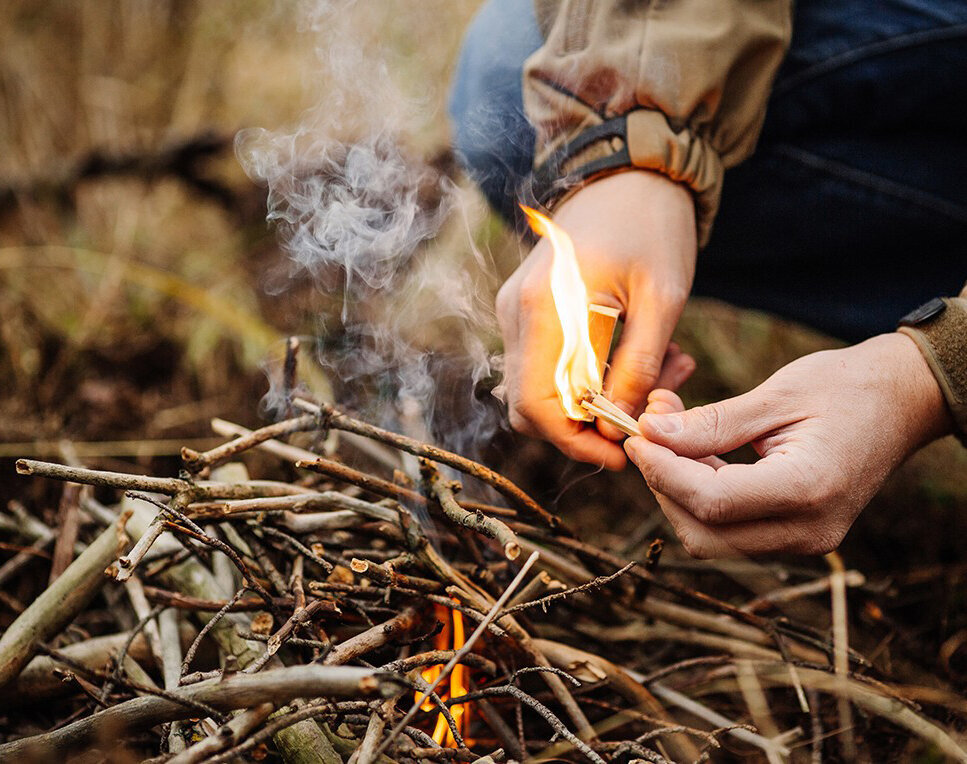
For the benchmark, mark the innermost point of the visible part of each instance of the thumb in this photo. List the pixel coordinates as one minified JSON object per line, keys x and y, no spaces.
{"x":712,"y":429}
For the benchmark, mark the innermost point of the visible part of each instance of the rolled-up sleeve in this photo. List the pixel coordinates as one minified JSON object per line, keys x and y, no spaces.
{"x":685,"y":82}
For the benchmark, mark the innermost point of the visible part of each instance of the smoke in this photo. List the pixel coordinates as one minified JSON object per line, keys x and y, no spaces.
{"x":406,"y":319}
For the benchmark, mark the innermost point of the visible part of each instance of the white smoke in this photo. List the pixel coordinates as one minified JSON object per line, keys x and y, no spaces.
{"x":381,"y":232}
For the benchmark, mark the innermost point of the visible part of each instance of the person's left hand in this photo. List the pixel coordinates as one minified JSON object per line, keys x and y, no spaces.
{"x":829,"y":428}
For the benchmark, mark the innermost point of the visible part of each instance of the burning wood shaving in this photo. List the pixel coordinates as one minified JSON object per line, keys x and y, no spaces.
{"x":320,"y":618}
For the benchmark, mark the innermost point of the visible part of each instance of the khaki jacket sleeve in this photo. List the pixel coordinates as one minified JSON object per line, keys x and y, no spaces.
{"x":943,"y":341}
{"x":688,"y":80}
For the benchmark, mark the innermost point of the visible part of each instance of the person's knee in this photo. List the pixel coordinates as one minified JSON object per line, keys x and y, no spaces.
{"x":491,"y":136}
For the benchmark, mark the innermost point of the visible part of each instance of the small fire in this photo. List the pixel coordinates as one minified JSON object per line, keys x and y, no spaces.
{"x":451,"y":637}
{"x":578,"y":369}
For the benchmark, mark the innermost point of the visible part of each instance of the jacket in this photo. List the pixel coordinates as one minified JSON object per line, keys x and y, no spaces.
{"x":679,"y":87}
{"x":676,"y":86}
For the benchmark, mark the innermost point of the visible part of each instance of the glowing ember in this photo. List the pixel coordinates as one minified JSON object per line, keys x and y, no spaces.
{"x":451,"y":637}
{"x":577,"y":366}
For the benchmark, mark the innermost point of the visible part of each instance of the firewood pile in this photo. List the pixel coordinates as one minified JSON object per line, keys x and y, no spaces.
{"x":380,"y":615}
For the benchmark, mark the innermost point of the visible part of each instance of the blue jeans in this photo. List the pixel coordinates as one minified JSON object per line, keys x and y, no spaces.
{"x":853,"y":209}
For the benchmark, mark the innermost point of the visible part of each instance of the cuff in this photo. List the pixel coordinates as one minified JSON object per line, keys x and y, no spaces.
{"x":942,"y":338}
{"x":641,"y":139}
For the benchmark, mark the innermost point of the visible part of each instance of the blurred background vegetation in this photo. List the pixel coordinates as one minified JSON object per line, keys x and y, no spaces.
{"x":135,"y":261}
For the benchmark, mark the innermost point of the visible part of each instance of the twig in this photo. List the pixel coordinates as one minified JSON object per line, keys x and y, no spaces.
{"x":135,"y":592}
{"x":69,"y":523}
{"x":188,"y":602}
{"x":755,"y":701}
{"x":339,"y":421}
{"x":852,"y":578}
{"x":475,"y":521}
{"x":195,"y":462}
{"x":297,"y":545}
{"x":169,"y":486}
{"x":189,"y":656}
{"x":837,"y":591}
{"x":556,"y":724}
{"x":373,"y":450}
{"x":229,"y":735}
{"x":596,"y":583}
{"x":467,"y":646}
{"x":372,"y":638}
{"x":57,"y":605}
{"x":239,"y":691}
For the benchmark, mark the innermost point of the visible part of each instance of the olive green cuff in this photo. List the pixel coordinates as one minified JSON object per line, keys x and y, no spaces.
{"x":942,"y":338}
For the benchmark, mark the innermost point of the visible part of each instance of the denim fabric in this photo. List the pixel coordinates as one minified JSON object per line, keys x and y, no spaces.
{"x":853,"y":209}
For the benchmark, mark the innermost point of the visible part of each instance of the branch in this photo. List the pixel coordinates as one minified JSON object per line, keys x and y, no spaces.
{"x":59,"y":603}
{"x":238,"y":691}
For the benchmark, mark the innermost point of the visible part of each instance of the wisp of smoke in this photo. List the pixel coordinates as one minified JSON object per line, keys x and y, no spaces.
{"x":374,"y":226}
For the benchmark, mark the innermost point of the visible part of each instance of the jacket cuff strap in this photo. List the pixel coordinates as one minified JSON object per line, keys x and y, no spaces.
{"x":940,"y":330}
{"x":562,"y":171}
{"x":641,"y":139}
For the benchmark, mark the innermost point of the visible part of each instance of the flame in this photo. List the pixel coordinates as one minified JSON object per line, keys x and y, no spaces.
{"x":577,"y":369}
{"x":453,"y":625}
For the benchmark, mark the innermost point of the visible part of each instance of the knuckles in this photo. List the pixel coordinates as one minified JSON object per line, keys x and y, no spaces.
{"x":710,"y":419}
{"x":712,"y":507}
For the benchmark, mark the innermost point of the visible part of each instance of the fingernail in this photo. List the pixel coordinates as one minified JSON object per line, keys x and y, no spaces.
{"x":664,"y":423}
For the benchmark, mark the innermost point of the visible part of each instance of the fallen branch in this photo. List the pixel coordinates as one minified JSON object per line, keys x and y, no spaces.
{"x":59,"y":603}
{"x":239,"y":691}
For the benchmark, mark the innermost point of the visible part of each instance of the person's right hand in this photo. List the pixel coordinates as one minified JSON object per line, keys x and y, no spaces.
{"x":634,"y":235}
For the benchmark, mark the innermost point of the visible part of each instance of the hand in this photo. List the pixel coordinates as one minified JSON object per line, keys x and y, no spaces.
{"x":829,"y":428}
{"x":634,"y":234}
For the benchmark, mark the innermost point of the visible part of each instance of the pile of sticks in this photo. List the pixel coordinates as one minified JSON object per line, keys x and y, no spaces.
{"x":240,"y":618}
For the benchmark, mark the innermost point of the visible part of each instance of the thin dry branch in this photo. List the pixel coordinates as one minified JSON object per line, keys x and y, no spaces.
{"x":59,"y":603}
{"x":476,"y":521}
{"x":339,"y":421}
{"x":239,"y":691}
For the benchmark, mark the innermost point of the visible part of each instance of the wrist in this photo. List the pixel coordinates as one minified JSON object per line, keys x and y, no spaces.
{"x":919,"y":394}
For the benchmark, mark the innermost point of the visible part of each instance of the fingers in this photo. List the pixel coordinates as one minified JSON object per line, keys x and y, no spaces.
{"x":532,"y":341}
{"x":639,"y":357}
{"x":742,"y":539}
{"x":575,"y":439}
{"x":719,"y":494}
{"x":661,"y":401}
{"x":717,"y":427}
{"x":676,"y":369}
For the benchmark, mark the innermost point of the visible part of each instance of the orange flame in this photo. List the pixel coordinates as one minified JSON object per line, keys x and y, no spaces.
{"x":577,"y":367}
{"x":453,"y":625}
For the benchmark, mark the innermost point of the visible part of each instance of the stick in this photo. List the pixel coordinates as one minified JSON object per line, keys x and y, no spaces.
{"x":476,"y":521}
{"x":238,"y":691}
{"x":593,"y":584}
{"x":69,"y":522}
{"x":467,"y":646}
{"x":372,"y":638}
{"x":599,"y":406}
{"x":195,"y":462}
{"x":58,"y":604}
{"x":376,"y":451}
{"x":168,"y":486}
{"x":337,"y":420}
{"x":837,"y":591}
{"x":227,"y":736}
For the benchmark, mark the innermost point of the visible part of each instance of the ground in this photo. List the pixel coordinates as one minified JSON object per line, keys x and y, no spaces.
{"x":142,"y":293}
